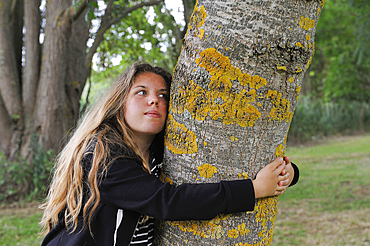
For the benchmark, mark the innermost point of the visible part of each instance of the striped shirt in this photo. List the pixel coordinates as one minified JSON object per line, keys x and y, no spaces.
{"x":144,"y":232}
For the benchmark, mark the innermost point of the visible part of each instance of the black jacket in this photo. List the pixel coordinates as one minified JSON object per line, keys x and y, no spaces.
{"x":128,"y":188}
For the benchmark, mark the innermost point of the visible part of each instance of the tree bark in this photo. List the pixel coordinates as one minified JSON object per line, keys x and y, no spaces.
{"x":11,"y":106}
{"x":233,"y":95}
{"x":51,"y":103}
{"x":32,"y":57}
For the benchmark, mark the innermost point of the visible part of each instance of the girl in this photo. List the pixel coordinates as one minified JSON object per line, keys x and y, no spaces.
{"x":105,"y":189}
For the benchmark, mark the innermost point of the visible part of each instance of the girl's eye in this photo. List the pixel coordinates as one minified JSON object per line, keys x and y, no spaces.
{"x":141,"y":93}
{"x":165,"y":96}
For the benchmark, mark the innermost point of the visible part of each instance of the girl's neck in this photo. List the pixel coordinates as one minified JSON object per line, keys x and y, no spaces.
{"x":144,"y":145}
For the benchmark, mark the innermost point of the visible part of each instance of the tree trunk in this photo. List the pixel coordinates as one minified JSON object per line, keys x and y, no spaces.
{"x":233,"y":95}
{"x":31,"y":70}
{"x":52,"y":111}
{"x":11,"y":123}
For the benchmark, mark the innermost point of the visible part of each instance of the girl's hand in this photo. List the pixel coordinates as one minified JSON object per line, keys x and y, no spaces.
{"x":288,"y":173}
{"x":268,"y":179}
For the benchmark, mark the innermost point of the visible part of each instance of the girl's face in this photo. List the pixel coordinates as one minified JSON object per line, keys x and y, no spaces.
{"x":146,"y":105}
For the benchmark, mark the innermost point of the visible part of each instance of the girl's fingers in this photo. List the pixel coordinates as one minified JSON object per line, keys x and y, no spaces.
{"x":281,"y":188}
{"x":276,"y":163}
{"x":283,"y":177}
{"x":278,"y":193}
{"x":280,"y":168}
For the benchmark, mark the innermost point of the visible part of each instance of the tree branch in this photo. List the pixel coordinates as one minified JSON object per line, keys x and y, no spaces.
{"x":131,"y":9}
{"x":106,"y":24}
{"x":188,"y":10}
{"x":80,"y":10}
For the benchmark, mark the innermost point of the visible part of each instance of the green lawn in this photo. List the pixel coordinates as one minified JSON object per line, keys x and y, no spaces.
{"x":330,"y":205}
{"x":19,"y":225}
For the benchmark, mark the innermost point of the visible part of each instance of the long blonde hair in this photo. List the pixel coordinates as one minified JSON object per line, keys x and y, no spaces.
{"x":105,"y":117}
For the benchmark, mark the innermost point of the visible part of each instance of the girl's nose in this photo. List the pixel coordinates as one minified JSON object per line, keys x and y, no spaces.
{"x":153,"y":100}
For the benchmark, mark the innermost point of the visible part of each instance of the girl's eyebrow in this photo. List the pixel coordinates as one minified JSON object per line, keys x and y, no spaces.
{"x":144,"y":87}
{"x":138,"y":86}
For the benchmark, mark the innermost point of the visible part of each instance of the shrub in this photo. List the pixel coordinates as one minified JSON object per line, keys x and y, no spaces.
{"x":314,"y":119}
{"x":26,"y":178}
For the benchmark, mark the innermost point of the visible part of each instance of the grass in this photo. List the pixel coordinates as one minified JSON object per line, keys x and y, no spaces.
{"x":328,"y":206}
{"x":19,"y":225}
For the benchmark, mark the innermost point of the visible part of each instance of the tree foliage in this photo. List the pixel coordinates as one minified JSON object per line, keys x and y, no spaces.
{"x":42,"y":79}
{"x":341,"y":65}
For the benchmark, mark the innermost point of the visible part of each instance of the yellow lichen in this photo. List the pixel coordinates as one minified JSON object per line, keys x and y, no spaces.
{"x":280,"y":150}
{"x":309,"y":63}
{"x":242,"y":229}
{"x":205,"y":229}
{"x":232,"y":138}
{"x":257,"y":82}
{"x":266,"y":210}
{"x":246,"y":114}
{"x":291,"y":80}
{"x":178,"y":139}
{"x":322,"y":3}
{"x":213,"y":61}
{"x":193,"y":98}
{"x":306,"y":23}
{"x":233,"y":233}
{"x":198,"y":101}
{"x":199,"y":16}
{"x":298,"y":91}
{"x":299,"y":45}
{"x":281,"y":68}
{"x":308,"y":37}
{"x":281,"y":106}
{"x":243,"y":175}
{"x":168,"y":180}
{"x":234,"y":107}
{"x":201,"y":33}
{"x":207,"y":171}
{"x":245,"y":79}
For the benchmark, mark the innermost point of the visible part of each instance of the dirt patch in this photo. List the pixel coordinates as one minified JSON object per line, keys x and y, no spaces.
{"x":325,"y":139}
{"x":19,"y":209}
{"x":298,"y":225}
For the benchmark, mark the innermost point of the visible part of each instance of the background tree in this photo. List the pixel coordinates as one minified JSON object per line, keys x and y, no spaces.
{"x":234,"y":91}
{"x":340,"y":69}
{"x":40,"y":93}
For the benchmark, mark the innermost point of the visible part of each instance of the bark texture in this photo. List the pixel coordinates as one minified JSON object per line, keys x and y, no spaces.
{"x":233,"y":95}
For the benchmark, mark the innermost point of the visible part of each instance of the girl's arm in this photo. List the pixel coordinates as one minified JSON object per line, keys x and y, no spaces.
{"x":126,"y":185}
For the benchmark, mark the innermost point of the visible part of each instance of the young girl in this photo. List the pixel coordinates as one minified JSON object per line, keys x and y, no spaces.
{"x":105,"y":189}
